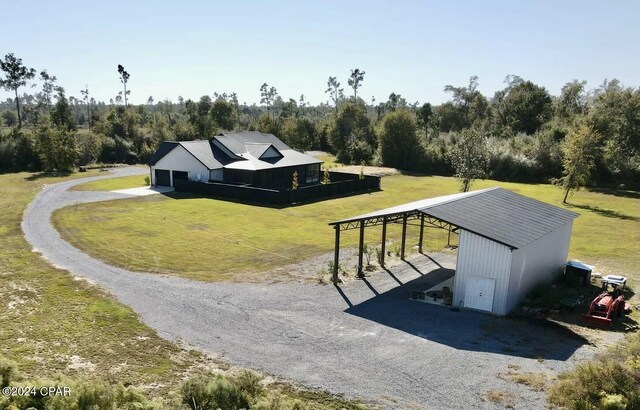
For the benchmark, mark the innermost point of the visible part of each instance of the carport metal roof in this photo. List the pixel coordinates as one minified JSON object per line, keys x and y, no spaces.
{"x":497,"y":214}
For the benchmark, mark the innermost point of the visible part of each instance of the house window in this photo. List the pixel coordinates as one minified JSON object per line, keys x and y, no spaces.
{"x":313,"y":173}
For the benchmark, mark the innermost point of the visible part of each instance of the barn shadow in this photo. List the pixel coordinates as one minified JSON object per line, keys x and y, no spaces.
{"x":459,"y":328}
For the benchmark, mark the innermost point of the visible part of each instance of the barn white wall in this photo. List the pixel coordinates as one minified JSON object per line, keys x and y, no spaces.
{"x":539,"y":261}
{"x":482,"y":257}
{"x":181,"y":160}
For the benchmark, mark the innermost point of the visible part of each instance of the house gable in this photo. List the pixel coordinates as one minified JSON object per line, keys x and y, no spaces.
{"x":271,"y":152}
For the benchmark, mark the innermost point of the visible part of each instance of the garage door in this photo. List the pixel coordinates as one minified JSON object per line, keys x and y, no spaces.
{"x":180,"y":175}
{"x":479,"y":293}
{"x":163,"y":177}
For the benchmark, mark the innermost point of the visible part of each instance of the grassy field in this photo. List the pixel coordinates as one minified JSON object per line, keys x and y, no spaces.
{"x":52,"y":324}
{"x":113,"y":184}
{"x":230,"y":240}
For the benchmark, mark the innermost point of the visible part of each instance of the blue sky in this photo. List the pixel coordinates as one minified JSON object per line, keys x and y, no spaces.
{"x":192,"y":48}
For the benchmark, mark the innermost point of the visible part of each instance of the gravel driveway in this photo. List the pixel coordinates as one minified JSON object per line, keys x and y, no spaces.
{"x":364,"y":339}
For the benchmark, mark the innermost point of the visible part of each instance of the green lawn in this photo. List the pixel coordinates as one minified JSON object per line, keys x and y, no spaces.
{"x":113,"y":184}
{"x":53,"y":325}
{"x":209,"y":239}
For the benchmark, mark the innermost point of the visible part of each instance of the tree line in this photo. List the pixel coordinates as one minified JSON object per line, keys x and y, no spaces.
{"x":521,"y":133}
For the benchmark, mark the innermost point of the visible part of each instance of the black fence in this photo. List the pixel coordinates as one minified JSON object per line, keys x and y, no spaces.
{"x":341,"y":184}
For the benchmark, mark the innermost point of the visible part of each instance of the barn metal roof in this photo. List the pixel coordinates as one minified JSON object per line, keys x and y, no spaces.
{"x":495,"y":213}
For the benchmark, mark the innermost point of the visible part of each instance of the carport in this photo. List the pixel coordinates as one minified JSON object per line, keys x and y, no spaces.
{"x":508,"y":242}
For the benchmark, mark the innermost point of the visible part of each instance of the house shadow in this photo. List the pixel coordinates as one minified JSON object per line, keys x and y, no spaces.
{"x":463,"y":329}
{"x":191,"y":195}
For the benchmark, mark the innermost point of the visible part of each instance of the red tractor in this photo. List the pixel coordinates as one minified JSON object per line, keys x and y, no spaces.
{"x":609,"y":304}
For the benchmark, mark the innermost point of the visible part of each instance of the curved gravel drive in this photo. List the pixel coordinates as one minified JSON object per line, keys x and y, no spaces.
{"x":365,"y":339}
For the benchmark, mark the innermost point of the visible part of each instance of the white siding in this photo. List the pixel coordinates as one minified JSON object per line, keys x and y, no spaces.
{"x":485,"y":258}
{"x":539,"y":261}
{"x":180,"y":160}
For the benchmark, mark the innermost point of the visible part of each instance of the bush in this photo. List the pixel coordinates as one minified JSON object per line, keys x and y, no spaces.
{"x":249,"y":382}
{"x":89,"y":394}
{"x":609,"y":382}
{"x":18,"y":152}
{"x":8,"y":372}
{"x":219,"y":393}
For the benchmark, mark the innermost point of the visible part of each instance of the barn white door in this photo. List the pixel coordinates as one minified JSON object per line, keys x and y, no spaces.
{"x":479,"y":293}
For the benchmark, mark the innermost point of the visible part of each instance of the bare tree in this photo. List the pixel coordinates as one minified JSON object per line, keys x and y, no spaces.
{"x":124,"y":78}
{"x":87,"y":101}
{"x":355,"y":81}
{"x":334,"y":91}
{"x":268,"y":96}
{"x":48,"y":87}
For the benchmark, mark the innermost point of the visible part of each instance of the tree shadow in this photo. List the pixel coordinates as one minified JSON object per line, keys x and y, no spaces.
{"x":40,"y":175}
{"x":465,"y":329}
{"x":617,"y":192}
{"x":609,"y":213}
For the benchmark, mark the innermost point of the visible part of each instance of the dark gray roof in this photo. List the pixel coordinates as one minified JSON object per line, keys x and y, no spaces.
{"x":201,"y":149}
{"x":162,"y":150}
{"x":503,"y":216}
{"x":257,"y":149}
{"x":244,"y":150}
{"x":236,"y":141}
{"x":496,"y":213}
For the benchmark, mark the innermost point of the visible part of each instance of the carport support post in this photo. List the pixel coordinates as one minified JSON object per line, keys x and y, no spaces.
{"x":404,"y":235}
{"x":421,"y":232}
{"x":384,"y":240}
{"x":361,"y":249}
{"x":336,"y":256}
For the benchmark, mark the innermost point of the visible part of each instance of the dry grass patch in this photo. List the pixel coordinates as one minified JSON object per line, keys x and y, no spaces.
{"x":499,"y":397}
{"x":535,"y":381}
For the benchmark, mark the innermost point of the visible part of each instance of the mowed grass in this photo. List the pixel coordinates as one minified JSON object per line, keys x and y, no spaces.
{"x":113,"y":184}
{"x":208,"y":239}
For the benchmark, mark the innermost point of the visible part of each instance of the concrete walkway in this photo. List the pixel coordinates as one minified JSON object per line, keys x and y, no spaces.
{"x":364,"y":339}
{"x":145,"y":190}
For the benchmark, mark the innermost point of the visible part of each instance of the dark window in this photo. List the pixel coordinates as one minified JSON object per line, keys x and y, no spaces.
{"x":313,"y":173}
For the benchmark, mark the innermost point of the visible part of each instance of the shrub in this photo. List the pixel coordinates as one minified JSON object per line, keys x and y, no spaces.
{"x":8,"y":371}
{"x":147,"y":180}
{"x":219,"y":393}
{"x":249,"y":382}
{"x":609,"y":382}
